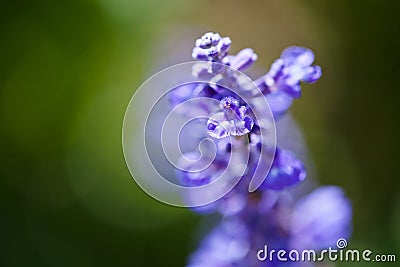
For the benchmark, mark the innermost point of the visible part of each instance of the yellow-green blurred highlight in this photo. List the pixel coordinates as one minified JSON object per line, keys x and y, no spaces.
{"x":69,"y":68}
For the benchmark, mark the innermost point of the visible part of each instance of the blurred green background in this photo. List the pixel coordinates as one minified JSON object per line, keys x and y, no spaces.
{"x":69,"y":68}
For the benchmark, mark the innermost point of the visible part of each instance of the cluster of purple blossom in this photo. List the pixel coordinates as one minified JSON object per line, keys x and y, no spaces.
{"x":270,"y":215}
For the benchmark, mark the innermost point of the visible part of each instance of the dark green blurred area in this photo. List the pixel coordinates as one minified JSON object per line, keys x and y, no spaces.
{"x":69,"y":68}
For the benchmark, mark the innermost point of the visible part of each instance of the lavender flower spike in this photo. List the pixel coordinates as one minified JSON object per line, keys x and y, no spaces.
{"x":271,"y":215}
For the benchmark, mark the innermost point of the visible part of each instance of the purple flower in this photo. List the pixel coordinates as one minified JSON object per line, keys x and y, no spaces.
{"x":211,"y":47}
{"x":242,"y":60}
{"x":282,"y":83}
{"x":320,"y":219}
{"x":293,"y":67}
{"x":286,"y":171}
{"x":232,"y":120}
{"x":233,"y":117}
{"x":271,"y":215}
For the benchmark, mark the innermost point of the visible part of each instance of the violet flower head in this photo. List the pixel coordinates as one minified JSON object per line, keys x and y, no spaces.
{"x":282,"y":84}
{"x":232,"y":120}
{"x":233,"y":116}
{"x":211,"y":46}
{"x":293,"y":67}
{"x":270,"y":215}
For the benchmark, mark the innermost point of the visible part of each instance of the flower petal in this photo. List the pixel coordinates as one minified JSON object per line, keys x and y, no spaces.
{"x":312,"y":74}
{"x":244,"y":59}
{"x":298,"y":55}
{"x":286,"y":171}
